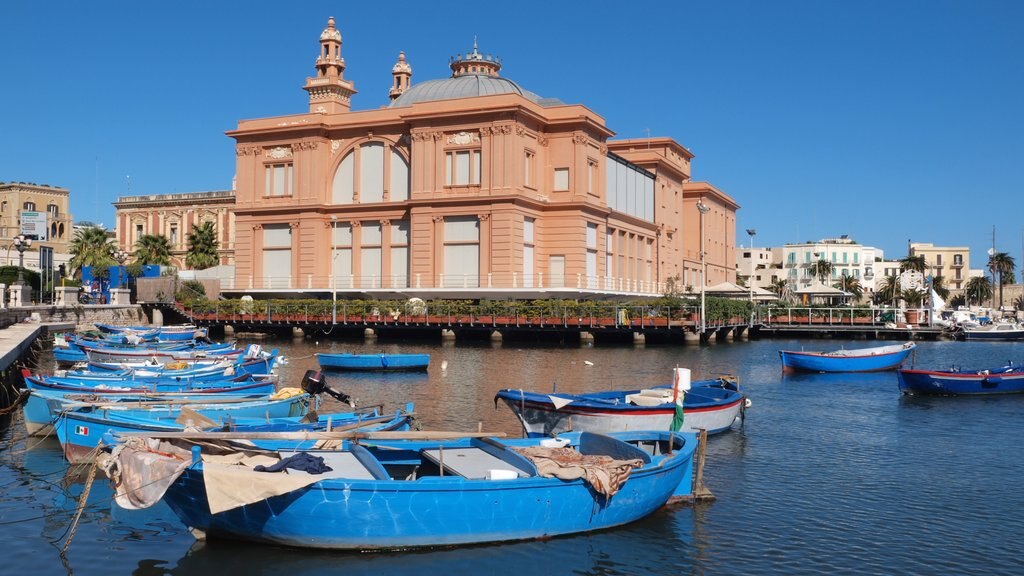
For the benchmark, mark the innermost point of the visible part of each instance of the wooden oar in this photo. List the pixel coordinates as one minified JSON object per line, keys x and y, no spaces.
{"x":381,"y":435}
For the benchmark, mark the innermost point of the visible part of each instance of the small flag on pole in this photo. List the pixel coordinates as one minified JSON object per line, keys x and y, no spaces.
{"x":680,"y":384}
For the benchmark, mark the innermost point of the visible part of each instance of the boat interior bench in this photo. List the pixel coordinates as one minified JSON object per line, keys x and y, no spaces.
{"x":356,"y":463}
{"x":477,"y":461}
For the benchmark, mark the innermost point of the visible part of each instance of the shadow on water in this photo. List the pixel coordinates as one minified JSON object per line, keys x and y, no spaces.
{"x":645,"y":547}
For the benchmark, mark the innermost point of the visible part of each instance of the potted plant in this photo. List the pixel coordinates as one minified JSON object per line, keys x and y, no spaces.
{"x":913,"y":299}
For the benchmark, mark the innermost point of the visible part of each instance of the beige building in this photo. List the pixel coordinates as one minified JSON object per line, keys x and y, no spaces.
{"x":41,"y":211}
{"x":466,"y":184}
{"x":951,"y":262}
{"x":173,"y":216}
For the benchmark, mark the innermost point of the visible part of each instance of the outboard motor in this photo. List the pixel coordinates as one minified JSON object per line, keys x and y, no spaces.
{"x":314,"y":382}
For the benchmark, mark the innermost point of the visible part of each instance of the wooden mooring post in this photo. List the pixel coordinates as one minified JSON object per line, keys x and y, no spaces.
{"x":700,"y":491}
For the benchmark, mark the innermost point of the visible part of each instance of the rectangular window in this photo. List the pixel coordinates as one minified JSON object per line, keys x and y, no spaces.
{"x":938,"y":259}
{"x":556,"y":272}
{"x":400,"y":254}
{"x":528,"y":251}
{"x":278,"y":180}
{"x":174,"y":235}
{"x":528,"y":169}
{"x":561,"y":179}
{"x":461,"y":252}
{"x":370,"y":255}
{"x":592,"y":235}
{"x":342,"y":257}
{"x":277,"y":256}
{"x":371,"y":173}
{"x":592,"y":177}
{"x":462,"y":168}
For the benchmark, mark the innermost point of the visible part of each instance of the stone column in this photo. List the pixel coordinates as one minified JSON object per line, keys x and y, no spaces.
{"x":21,"y":295}
{"x":67,"y":295}
{"x":120,"y":296}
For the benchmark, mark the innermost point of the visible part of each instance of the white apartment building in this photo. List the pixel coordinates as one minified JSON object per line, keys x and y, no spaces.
{"x":847,"y":257}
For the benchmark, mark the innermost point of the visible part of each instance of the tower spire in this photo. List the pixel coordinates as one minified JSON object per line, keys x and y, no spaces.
{"x":402,"y":73}
{"x":329,"y":92}
{"x":474,"y":63}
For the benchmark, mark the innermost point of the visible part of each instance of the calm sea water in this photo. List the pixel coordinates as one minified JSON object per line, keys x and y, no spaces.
{"x":831,"y":474}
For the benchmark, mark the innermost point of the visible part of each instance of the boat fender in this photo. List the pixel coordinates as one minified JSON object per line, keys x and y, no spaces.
{"x":747,"y":403}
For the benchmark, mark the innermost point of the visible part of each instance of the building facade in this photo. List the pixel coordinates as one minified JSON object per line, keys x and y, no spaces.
{"x":467,"y":183}
{"x":173,"y":216}
{"x":847,"y":257}
{"x":41,"y":212}
{"x":953,"y":263}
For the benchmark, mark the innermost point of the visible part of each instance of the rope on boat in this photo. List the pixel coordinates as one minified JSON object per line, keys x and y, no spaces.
{"x":81,"y":506}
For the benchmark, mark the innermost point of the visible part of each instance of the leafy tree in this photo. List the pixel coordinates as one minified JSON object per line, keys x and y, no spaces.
{"x":1018,"y":302}
{"x":939,"y":285}
{"x":822,"y":269}
{"x":916,"y":263}
{"x":978,"y":290}
{"x":888,"y":289}
{"x":1002,"y":267}
{"x":90,"y":247}
{"x":153,"y":249}
{"x":852,"y":285}
{"x":778,"y":287}
{"x":202,"y":247}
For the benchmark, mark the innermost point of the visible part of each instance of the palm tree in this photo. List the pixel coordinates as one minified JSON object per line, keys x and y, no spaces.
{"x":939,"y":285}
{"x":852,"y":285}
{"x":978,"y":290}
{"x":888,"y":289}
{"x":778,"y":286}
{"x":202,"y":247}
{"x":915,"y":263}
{"x":153,"y":249}
{"x":90,"y":247}
{"x":822,"y":269}
{"x":1002,"y":264}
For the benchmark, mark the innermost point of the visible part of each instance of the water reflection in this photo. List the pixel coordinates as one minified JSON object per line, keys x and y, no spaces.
{"x":652,"y":543}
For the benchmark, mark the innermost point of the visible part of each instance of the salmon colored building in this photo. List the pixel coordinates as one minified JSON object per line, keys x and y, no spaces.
{"x":173,"y":216}
{"x":464,"y":185}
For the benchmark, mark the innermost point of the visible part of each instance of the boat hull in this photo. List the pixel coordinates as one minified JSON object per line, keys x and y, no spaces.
{"x":823,"y":362}
{"x":962,"y":383}
{"x":349,"y":514}
{"x":374,"y":362}
{"x":540,"y":417}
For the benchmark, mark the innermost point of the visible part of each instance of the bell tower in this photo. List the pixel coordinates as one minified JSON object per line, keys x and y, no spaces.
{"x":402,"y":73}
{"x":329,"y":92}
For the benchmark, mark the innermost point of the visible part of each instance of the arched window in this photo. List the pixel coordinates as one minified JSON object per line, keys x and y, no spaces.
{"x":53,"y":210}
{"x":29,"y":206}
{"x":375,"y":160}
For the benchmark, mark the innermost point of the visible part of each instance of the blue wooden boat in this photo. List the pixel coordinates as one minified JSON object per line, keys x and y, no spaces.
{"x":962,"y":381}
{"x":873,"y":359}
{"x":43,"y":406}
{"x":81,"y":430}
{"x":382,"y":493}
{"x":166,"y":333}
{"x":713,"y":405}
{"x":374,"y":362}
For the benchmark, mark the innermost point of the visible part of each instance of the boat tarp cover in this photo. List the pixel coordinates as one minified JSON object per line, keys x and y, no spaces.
{"x":142,"y":470}
{"x":605,"y":474}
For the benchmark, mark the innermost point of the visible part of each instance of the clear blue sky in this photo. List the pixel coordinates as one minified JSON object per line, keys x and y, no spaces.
{"x":884,"y":120}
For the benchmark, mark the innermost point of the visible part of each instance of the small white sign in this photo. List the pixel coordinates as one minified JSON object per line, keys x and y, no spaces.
{"x":33,"y":225}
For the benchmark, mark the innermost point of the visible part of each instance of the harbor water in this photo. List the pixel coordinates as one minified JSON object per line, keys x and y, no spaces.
{"x":829,"y":474}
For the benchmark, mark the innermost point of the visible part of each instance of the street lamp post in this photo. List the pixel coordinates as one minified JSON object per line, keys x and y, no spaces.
{"x":703,"y":209}
{"x":750,"y":279}
{"x":21,"y":243}
{"x":121,"y":257}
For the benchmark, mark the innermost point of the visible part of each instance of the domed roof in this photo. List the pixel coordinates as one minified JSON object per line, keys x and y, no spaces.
{"x":465,"y":86}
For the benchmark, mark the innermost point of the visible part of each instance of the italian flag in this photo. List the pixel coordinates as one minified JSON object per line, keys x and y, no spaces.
{"x":680,"y":384}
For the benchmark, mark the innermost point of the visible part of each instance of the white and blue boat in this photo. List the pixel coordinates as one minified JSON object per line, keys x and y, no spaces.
{"x":1007,"y":379}
{"x":374,"y":362}
{"x":714,"y":405}
{"x":380,"y":493}
{"x":875,"y":359}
